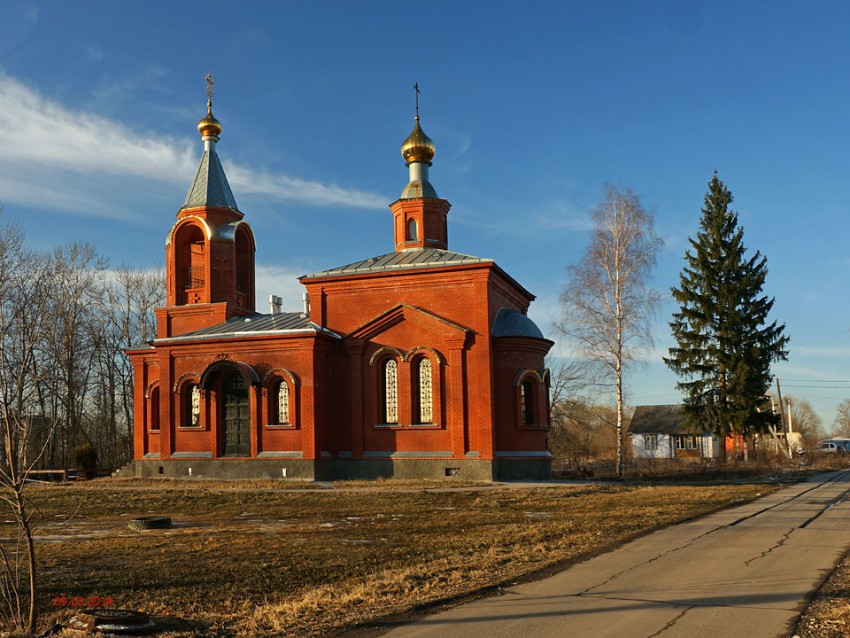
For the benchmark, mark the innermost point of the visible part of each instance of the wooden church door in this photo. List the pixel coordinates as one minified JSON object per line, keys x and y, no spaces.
{"x":236,"y":435}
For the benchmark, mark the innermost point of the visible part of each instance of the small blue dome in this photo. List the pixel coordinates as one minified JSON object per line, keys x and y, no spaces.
{"x":510,"y":323}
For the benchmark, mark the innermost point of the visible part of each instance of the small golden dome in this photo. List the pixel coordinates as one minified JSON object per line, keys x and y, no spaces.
{"x":209,"y":126}
{"x":418,"y":147}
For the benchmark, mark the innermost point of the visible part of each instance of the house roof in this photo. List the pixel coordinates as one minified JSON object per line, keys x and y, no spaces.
{"x":403,"y":260}
{"x":255,"y":325}
{"x":660,"y":419}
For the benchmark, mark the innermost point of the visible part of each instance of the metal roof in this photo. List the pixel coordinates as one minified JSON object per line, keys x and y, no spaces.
{"x":210,"y":187}
{"x":403,"y":260}
{"x":510,"y":323}
{"x":255,"y":325}
{"x":661,"y":419}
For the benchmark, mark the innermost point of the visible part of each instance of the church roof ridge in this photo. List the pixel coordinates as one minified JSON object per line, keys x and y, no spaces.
{"x":256,"y":325}
{"x":403,"y":260}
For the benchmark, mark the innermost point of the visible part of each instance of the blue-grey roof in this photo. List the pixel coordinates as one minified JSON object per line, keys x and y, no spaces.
{"x":510,"y":323}
{"x":403,"y":260}
{"x":210,"y":187}
{"x":254,"y":325}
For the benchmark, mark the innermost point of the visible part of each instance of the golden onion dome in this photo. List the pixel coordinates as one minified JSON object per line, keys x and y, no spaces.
{"x":209,"y":126}
{"x":418,"y":147}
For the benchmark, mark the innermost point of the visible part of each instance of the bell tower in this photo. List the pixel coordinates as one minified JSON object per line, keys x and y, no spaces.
{"x":209,"y":252}
{"x":419,"y":215}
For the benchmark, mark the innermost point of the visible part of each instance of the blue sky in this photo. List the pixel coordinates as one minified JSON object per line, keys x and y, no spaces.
{"x":533,"y":106}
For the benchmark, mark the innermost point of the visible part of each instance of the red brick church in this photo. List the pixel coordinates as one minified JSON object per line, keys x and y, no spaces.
{"x":421,"y":362}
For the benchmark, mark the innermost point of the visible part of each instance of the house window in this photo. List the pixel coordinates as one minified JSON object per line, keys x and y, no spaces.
{"x":426,"y":401}
{"x":686,"y":442}
{"x":283,"y":403}
{"x":650,"y":442}
{"x":526,"y":402}
{"x":412,"y":230}
{"x":390,"y":396}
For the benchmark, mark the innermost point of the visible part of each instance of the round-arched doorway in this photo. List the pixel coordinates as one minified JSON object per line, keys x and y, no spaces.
{"x":236,"y":417}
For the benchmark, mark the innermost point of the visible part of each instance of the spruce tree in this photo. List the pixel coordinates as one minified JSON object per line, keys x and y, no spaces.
{"x":725,"y":346}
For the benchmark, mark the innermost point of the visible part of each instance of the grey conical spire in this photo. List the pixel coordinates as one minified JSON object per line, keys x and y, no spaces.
{"x":210,"y":187}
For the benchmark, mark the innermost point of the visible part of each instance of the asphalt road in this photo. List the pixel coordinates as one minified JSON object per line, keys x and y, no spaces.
{"x":745,"y":572}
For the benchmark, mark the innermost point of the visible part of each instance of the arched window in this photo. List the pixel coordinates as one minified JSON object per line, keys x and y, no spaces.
{"x":280,"y":399}
{"x":412,"y":230}
{"x":190,"y":405}
{"x":390,"y":391}
{"x":526,"y":402}
{"x":244,"y":267}
{"x":283,"y":417}
{"x":153,"y":410}
{"x":190,"y":266}
{"x":425,"y":391}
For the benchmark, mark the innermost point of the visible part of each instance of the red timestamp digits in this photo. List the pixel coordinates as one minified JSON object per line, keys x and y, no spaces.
{"x":82,"y":601}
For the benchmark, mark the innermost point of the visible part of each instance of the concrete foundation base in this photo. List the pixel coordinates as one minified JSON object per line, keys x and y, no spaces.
{"x":343,"y":469}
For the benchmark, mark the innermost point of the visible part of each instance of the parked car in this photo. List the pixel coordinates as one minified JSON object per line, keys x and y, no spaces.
{"x":833,"y":447}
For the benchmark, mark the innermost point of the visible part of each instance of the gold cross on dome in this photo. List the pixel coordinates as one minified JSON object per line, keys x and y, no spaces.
{"x":210,"y":83}
{"x":416,"y":88}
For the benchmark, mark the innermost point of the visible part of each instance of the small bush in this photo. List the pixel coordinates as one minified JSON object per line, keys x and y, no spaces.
{"x":84,"y":457}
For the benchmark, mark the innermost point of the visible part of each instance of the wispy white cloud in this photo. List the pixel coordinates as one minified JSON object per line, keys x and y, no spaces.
{"x":52,"y":156}
{"x":288,"y":188}
{"x":281,"y":281}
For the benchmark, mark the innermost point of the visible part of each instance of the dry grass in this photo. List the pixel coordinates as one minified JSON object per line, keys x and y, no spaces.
{"x":828,"y":615}
{"x":265,"y":561}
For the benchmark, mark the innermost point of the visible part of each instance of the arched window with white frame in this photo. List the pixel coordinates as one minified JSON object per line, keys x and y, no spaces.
{"x":283,"y":403}
{"x":190,"y":405}
{"x":389,"y":393}
{"x":424,"y":391}
{"x":280,"y":398}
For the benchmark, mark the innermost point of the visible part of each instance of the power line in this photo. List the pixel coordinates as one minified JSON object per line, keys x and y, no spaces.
{"x":816,"y":380}
{"x":817,"y":387}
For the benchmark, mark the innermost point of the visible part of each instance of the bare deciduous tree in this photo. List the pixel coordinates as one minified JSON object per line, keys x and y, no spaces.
{"x":131,"y":297}
{"x":841,"y":424}
{"x":608,"y":302}
{"x":25,"y":279}
{"x":77,"y":324}
{"x":805,"y":420}
{"x":64,"y":380}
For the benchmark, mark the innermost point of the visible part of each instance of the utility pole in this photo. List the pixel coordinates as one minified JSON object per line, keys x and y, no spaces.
{"x":786,"y":431}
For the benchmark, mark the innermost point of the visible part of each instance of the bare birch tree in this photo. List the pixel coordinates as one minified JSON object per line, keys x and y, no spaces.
{"x":608,"y":302}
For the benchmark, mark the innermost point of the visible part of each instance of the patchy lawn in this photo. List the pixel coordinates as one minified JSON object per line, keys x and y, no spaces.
{"x":264,"y":560}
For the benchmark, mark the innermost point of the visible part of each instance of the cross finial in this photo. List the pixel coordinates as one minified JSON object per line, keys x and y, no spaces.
{"x":416,"y":89}
{"x":210,"y":83}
